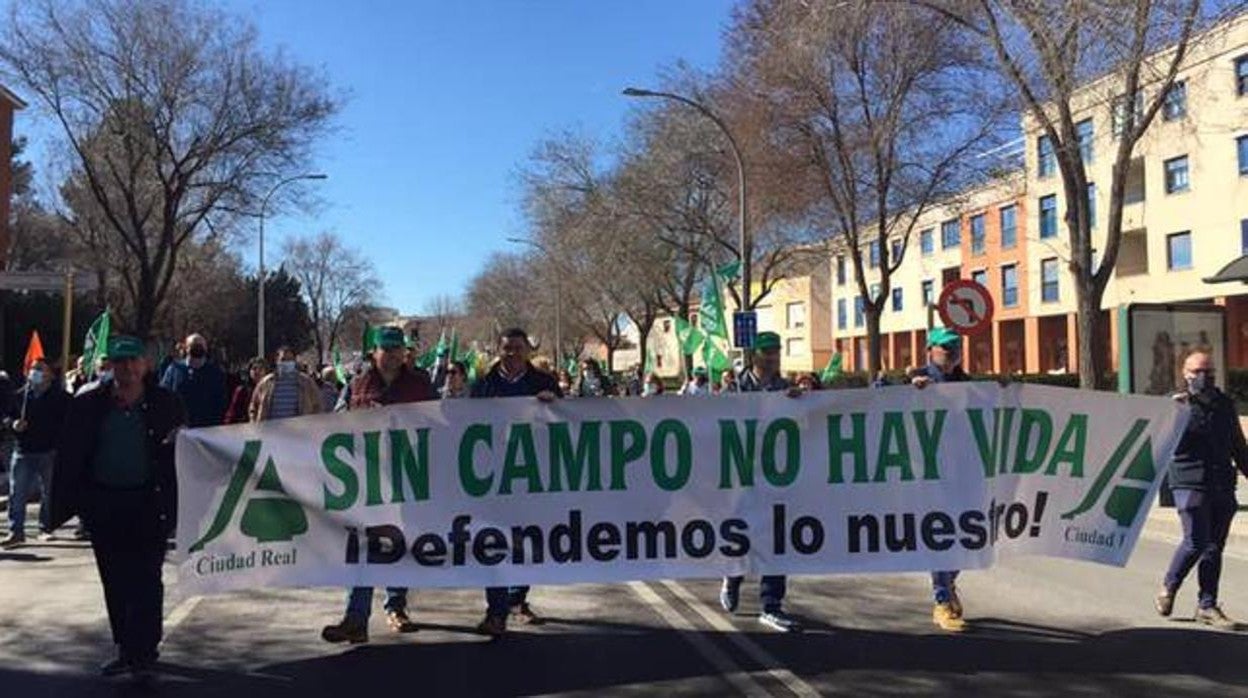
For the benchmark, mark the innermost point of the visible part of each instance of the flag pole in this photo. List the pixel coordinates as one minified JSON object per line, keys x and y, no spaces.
{"x":67,"y":317}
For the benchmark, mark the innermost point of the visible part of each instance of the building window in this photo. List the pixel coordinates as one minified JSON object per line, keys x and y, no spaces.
{"x":860,"y":309}
{"x":1176,"y":175}
{"x":795,"y":315}
{"x":926,"y":245}
{"x":1048,"y":281}
{"x":1241,"y":145}
{"x":1083,"y":131}
{"x":1175,"y":106}
{"x":1009,"y":227}
{"x":928,"y":290}
{"x":894,"y":253}
{"x":980,"y":277}
{"x":897,"y":300}
{"x":977,"y":234}
{"x":1121,"y":120}
{"x":1009,"y":286}
{"x":1179,"y":251}
{"x":795,"y":346}
{"x":873,"y":254}
{"x":1048,"y":216}
{"x":840,"y":270}
{"x":1091,"y":205}
{"x":950,"y":234}
{"x":1046,"y":159}
{"x":842,"y":317}
{"x":1241,"y":76}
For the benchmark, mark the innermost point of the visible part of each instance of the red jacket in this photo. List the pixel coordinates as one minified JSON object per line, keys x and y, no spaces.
{"x":411,"y":385}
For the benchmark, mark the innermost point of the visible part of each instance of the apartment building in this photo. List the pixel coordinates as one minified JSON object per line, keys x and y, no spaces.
{"x":9,"y":104}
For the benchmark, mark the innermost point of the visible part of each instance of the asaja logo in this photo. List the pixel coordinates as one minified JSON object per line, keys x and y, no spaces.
{"x":1129,"y":496}
{"x":269,"y":516}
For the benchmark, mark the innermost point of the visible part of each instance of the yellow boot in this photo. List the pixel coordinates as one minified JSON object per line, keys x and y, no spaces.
{"x":945,"y":618}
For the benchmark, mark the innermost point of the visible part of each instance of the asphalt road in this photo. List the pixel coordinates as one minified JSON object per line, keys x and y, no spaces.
{"x":1040,"y":627}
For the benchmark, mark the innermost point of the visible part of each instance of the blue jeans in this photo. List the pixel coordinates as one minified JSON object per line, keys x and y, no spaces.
{"x":1206,"y":518}
{"x":499,"y":600}
{"x":942,"y":585}
{"x":24,"y":470}
{"x":771,"y":590}
{"x":360,"y":601}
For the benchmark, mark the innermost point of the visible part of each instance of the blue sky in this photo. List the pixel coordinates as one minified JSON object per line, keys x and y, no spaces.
{"x":447,"y":98}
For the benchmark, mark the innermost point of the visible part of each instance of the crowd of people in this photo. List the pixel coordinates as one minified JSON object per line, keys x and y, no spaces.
{"x":101,"y":450}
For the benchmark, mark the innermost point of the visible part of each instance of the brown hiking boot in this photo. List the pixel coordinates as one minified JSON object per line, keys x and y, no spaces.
{"x":494,"y":626}
{"x":399,"y":622}
{"x":1215,"y":618}
{"x":350,"y":630}
{"x":524,"y":615}
{"x":1164,"y":602}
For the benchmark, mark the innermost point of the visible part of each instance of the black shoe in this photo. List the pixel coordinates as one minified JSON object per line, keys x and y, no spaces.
{"x":114,"y":667}
{"x":142,"y":670}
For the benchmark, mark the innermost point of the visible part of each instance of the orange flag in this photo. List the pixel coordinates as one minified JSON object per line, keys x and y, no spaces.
{"x":34,"y":352}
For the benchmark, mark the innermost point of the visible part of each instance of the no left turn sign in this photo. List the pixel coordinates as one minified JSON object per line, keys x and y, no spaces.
{"x":965,"y":307}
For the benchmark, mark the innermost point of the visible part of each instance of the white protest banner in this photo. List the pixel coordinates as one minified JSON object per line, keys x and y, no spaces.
{"x":497,"y":492}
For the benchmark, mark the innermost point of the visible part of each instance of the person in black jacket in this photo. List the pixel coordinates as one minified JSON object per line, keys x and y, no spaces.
{"x":1203,"y":479}
{"x":117,"y":473}
{"x":512,"y":376}
{"x":36,"y":414}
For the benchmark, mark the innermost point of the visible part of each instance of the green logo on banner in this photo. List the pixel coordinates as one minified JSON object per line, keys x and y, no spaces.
{"x":1129,"y":496}
{"x":269,"y":516}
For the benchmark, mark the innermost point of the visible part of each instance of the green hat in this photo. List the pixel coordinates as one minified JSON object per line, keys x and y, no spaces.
{"x":699,"y":371}
{"x":943,"y":337}
{"x":124,"y":347}
{"x":390,"y":338}
{"x":767,"y":340}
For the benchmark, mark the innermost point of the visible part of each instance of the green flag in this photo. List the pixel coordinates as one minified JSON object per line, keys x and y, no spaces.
{"x":470,"y":360}
{"x":711,"y":312}
{"x":730,"y":270}
{"x":716,"y":360}
{"x":427,"y":359}
{"x":570,"y":365}
{"x":338,"y":369}
{"x":368,"y":339}
{"x":95,"y":346}
{"x":455,"y":355}
{"x":689,"y":337}
{"x":832,"y":370}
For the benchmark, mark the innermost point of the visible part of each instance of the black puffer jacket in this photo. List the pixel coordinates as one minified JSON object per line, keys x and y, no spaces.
{"x":71,"y":476}
{"x":1213,"y":439}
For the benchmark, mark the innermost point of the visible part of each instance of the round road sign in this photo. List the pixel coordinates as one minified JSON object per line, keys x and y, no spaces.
{"x":965,"y":307}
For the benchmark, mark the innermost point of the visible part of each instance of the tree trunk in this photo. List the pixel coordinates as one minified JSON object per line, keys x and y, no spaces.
{"x":1088,"y":328}
{"x":874,"y":340}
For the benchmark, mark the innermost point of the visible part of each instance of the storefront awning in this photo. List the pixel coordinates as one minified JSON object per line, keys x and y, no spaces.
{"x":1235,"y":271}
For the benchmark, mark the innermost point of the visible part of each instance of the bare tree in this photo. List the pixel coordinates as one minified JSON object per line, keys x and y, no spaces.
{"x":174,"y":119}
{"x":876,"y":107}
{"x":1050,"y":52}
{"x":444,"y":310}
{"x":338,"y":281}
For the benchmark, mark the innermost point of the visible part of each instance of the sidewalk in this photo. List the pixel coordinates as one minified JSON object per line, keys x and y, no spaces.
{"x":1164,"y":523}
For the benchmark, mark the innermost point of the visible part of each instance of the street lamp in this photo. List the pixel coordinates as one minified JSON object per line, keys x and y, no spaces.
{"x":743,"y":243}
{"x":263,"y":206}
{"x":558,"y":298}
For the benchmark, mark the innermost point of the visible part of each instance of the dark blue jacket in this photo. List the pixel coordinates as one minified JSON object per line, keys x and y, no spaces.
{"x":1212,"y":440}
{"x":534,"y":381}
{"x":202,"y":391}
{"x":45,"y":417}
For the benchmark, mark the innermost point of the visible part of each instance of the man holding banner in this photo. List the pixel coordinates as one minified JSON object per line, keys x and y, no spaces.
{"x":763,"y":376}
{"x":117,"y":474}
{"x":389,"y":381}
{"x":512,"y":376}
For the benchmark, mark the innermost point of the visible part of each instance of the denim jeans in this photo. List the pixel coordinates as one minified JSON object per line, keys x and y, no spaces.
{"x":499,"y":600}
{"x":771,"y":590}
{"x":24,"y":470}
{"x":942,"y":585}
{"x":360,"y":601}
{"x":1206,"y":518}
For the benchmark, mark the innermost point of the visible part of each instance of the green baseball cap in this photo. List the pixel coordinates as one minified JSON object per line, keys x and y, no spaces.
{"x":390,"y":338}
{"x":943,"y":337}
{"x":121,"y":347}
{"x":767,"y":340}
{"x":699,"y":371}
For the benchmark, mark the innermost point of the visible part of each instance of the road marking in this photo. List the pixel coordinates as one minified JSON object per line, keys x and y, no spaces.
{"x":181,"y":613}
{"x":741,"y":680}
{"x":774,"y":667}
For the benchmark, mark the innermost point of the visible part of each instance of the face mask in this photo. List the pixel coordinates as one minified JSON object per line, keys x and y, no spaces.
{"x":286,"y":368}
{"x":35,"y":378}
{"x":649,"y":390}
{"x":198,"y":352}
{"x":105,"y":376}
{"x":1197,"y":383}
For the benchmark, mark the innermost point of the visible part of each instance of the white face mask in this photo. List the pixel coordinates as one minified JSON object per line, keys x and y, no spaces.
{"x":35,"y":378}
{"x":105,"y":376}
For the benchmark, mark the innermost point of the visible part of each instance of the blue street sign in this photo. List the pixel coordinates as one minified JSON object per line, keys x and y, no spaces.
{"x":744,"y":328}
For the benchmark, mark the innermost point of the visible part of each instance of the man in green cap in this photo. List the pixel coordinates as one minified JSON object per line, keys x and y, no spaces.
{"x":390,"y":380}
{"x":699,"y":384}
{"x":764,"y":376}
{"x":116,"y":472}
{"x":944,"y":365}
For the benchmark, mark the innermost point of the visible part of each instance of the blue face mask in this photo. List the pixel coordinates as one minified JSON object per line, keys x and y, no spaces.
{"x":35,"y":378}
{"x":105,"y":376}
